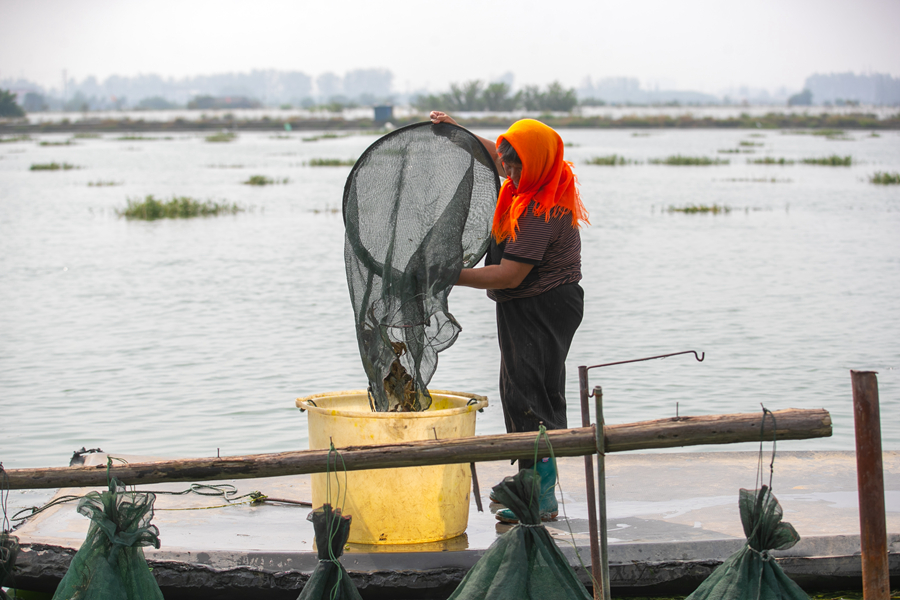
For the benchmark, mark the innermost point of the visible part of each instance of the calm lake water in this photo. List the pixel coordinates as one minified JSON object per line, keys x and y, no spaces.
{"x":178,"y":338}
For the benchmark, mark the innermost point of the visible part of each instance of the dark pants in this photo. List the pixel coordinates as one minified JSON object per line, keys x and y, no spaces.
{"x":535,"y":335}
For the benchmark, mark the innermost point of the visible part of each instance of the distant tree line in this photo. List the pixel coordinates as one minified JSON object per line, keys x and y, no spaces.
{"x":498,"y":97}
{"x":8,"y":105}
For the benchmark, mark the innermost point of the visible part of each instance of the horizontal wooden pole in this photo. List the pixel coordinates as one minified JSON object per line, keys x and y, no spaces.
{"x":792,"y":424}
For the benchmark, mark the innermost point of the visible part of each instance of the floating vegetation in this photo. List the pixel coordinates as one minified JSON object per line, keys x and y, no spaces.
{"x":331,"y":210}
{"x":885,"y":178}
{"x":829,"y":161}
{"x":225,"y":136}
{"x":179,"y":207}
{"x":689,"y":161}
{"x":14,"y":139}
{"x":873,"y":134}
{"x":640,"y":134}
{"x":142,"y":138}
{"x":756,"y":135}
{"x":768,"y":160}
{"x":225,"y":166}
{"x":324,"y":136}
{"x":281,"y":136}
{"x":691,"y":209}
{"x":822,"y":132}
{"x":611,"y":160}
{"x":749,"y":144}
{"x":571,"y":145}
{"x":53,"y":166}
{"x":331,"y":162}
{"x":86,"y":135}
{"x":736,"y":151}
{"x":103,"y":183}
{"x":263,"y":180}
{"x":65,"y":143}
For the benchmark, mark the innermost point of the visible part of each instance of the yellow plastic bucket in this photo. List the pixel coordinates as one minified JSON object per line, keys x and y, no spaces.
{"x":395,"y":506}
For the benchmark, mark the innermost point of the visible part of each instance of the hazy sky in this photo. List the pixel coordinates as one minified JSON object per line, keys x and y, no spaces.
{"x":705,"y":45}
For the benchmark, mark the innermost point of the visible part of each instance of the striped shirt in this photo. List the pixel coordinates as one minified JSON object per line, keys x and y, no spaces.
{"x":554,"y":248}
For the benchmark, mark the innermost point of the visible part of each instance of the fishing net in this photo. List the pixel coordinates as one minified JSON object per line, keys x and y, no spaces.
{"x":418,"y":207}
{"x":110,"y":565}
{"x":524,"y":563}
{"x":329,"y":580}
{"x":751,"y":573}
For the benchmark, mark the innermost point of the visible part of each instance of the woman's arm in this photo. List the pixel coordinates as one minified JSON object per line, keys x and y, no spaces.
{"x":440,"y":117}
{"x":508,"y":274}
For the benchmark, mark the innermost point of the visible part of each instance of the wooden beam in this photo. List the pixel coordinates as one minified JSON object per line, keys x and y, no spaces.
{"x":792,"y":424}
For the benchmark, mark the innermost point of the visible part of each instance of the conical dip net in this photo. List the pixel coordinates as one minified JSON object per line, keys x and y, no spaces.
{"x":418,"y":207}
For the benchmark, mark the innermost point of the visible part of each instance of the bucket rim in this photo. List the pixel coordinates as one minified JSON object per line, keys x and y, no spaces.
{"x":480,"y":403}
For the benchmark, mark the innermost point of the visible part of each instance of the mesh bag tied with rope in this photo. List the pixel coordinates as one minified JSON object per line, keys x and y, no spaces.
{"x":329,"y":580}
{"x":751,"y":573}
{"x":418,"y":207}
{"x":524,"y":563}
{"x":110,"y":564}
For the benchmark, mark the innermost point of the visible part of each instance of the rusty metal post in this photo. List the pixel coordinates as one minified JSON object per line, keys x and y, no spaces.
{"x":596,"y":571}
{"x":870,"y":481}
{"x":601,"y":488}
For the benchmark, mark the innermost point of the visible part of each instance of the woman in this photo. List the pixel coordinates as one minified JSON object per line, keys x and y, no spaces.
{"x":532,"y":272}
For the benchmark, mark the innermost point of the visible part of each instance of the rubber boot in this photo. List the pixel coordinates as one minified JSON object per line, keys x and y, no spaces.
{"x":549,"y":507}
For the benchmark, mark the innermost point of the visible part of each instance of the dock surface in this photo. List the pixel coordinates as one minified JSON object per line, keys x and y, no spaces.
{"x":672,"y":518}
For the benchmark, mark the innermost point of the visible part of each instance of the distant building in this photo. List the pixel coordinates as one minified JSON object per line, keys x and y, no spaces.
{"x":383,"y":114}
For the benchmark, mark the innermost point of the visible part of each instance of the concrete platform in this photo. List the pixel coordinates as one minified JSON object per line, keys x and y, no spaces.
{"x":672,"y":518}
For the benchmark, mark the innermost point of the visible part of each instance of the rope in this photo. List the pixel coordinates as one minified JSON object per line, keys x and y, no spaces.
{"x":333,"y":519}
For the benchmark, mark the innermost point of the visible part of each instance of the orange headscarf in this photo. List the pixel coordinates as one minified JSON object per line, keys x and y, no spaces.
{"x":546,"y":178}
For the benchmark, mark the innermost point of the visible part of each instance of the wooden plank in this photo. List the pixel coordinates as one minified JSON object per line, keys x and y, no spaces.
{"x":664,"y":433}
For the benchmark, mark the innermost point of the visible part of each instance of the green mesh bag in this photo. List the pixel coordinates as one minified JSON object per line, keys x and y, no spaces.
{"x":751,"y":573}
{"x":523,"y":563}
{"x":418,"y":207}
{"x":329,"y":580}
{"x":9,"y":549}
{"x":110,"y":565}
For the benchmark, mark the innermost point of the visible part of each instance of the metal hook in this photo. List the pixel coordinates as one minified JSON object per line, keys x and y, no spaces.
{"x":699,"y":358}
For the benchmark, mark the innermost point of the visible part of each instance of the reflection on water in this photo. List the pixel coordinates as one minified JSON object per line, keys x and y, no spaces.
{"x":184,"y":338}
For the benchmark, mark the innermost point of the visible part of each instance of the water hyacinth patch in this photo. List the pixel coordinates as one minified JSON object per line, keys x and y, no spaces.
{"x":103,"y":183}
{"x":53,"y":166}
{"x":225,"y":136}
{"x":692,"y":209}
{"x":885,"y":178}
{"x":830,"y":161}
{"x":768,"y":160}
{"x":65,"y":143}
{"x":179,"y":207}
{"x":14,"y":139}
{"x":612,"y":160}
{"x":331,"y":162}
{"x":263,"y":180}
{"x":678,"y":160}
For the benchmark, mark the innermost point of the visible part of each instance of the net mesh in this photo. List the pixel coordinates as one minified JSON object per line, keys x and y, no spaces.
{"x":418,"y":207}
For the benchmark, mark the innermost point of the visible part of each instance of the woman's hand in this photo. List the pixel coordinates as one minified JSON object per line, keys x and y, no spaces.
{"x":437,"y":116}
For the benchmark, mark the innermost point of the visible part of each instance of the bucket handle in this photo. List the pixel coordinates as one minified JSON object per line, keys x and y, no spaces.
{"x":473,"y":401}
{"x":310,"y":402}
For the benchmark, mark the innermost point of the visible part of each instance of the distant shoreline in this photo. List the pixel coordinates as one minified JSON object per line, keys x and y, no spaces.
{"x":858,"y":121}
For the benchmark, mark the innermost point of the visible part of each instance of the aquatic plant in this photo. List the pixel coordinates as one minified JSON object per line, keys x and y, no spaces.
{"x":179,"y":207}
{"x":611,"y":160}
{"x":263,"y":180}
{"x":885,"y":178}
{"x":86,"y":135}
{"x":225,"y":166}
{"x":768,"y":160}
{"x":324,"y":136}
{"x":829,"y":161}
{"x":53,"y":166}
{"x":65,"y":143}
{"x":140,"y":138}
{"x":691,"y":209}
{"x":758,"y":180}
{"x":690,"y":161}
{"x":103,"y":183}
{"x":729,"y":151}
{"x":331,"y":162}
{"x":15,"y":138}
{"x":750,"y":144}
{"x":225,"y":136}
